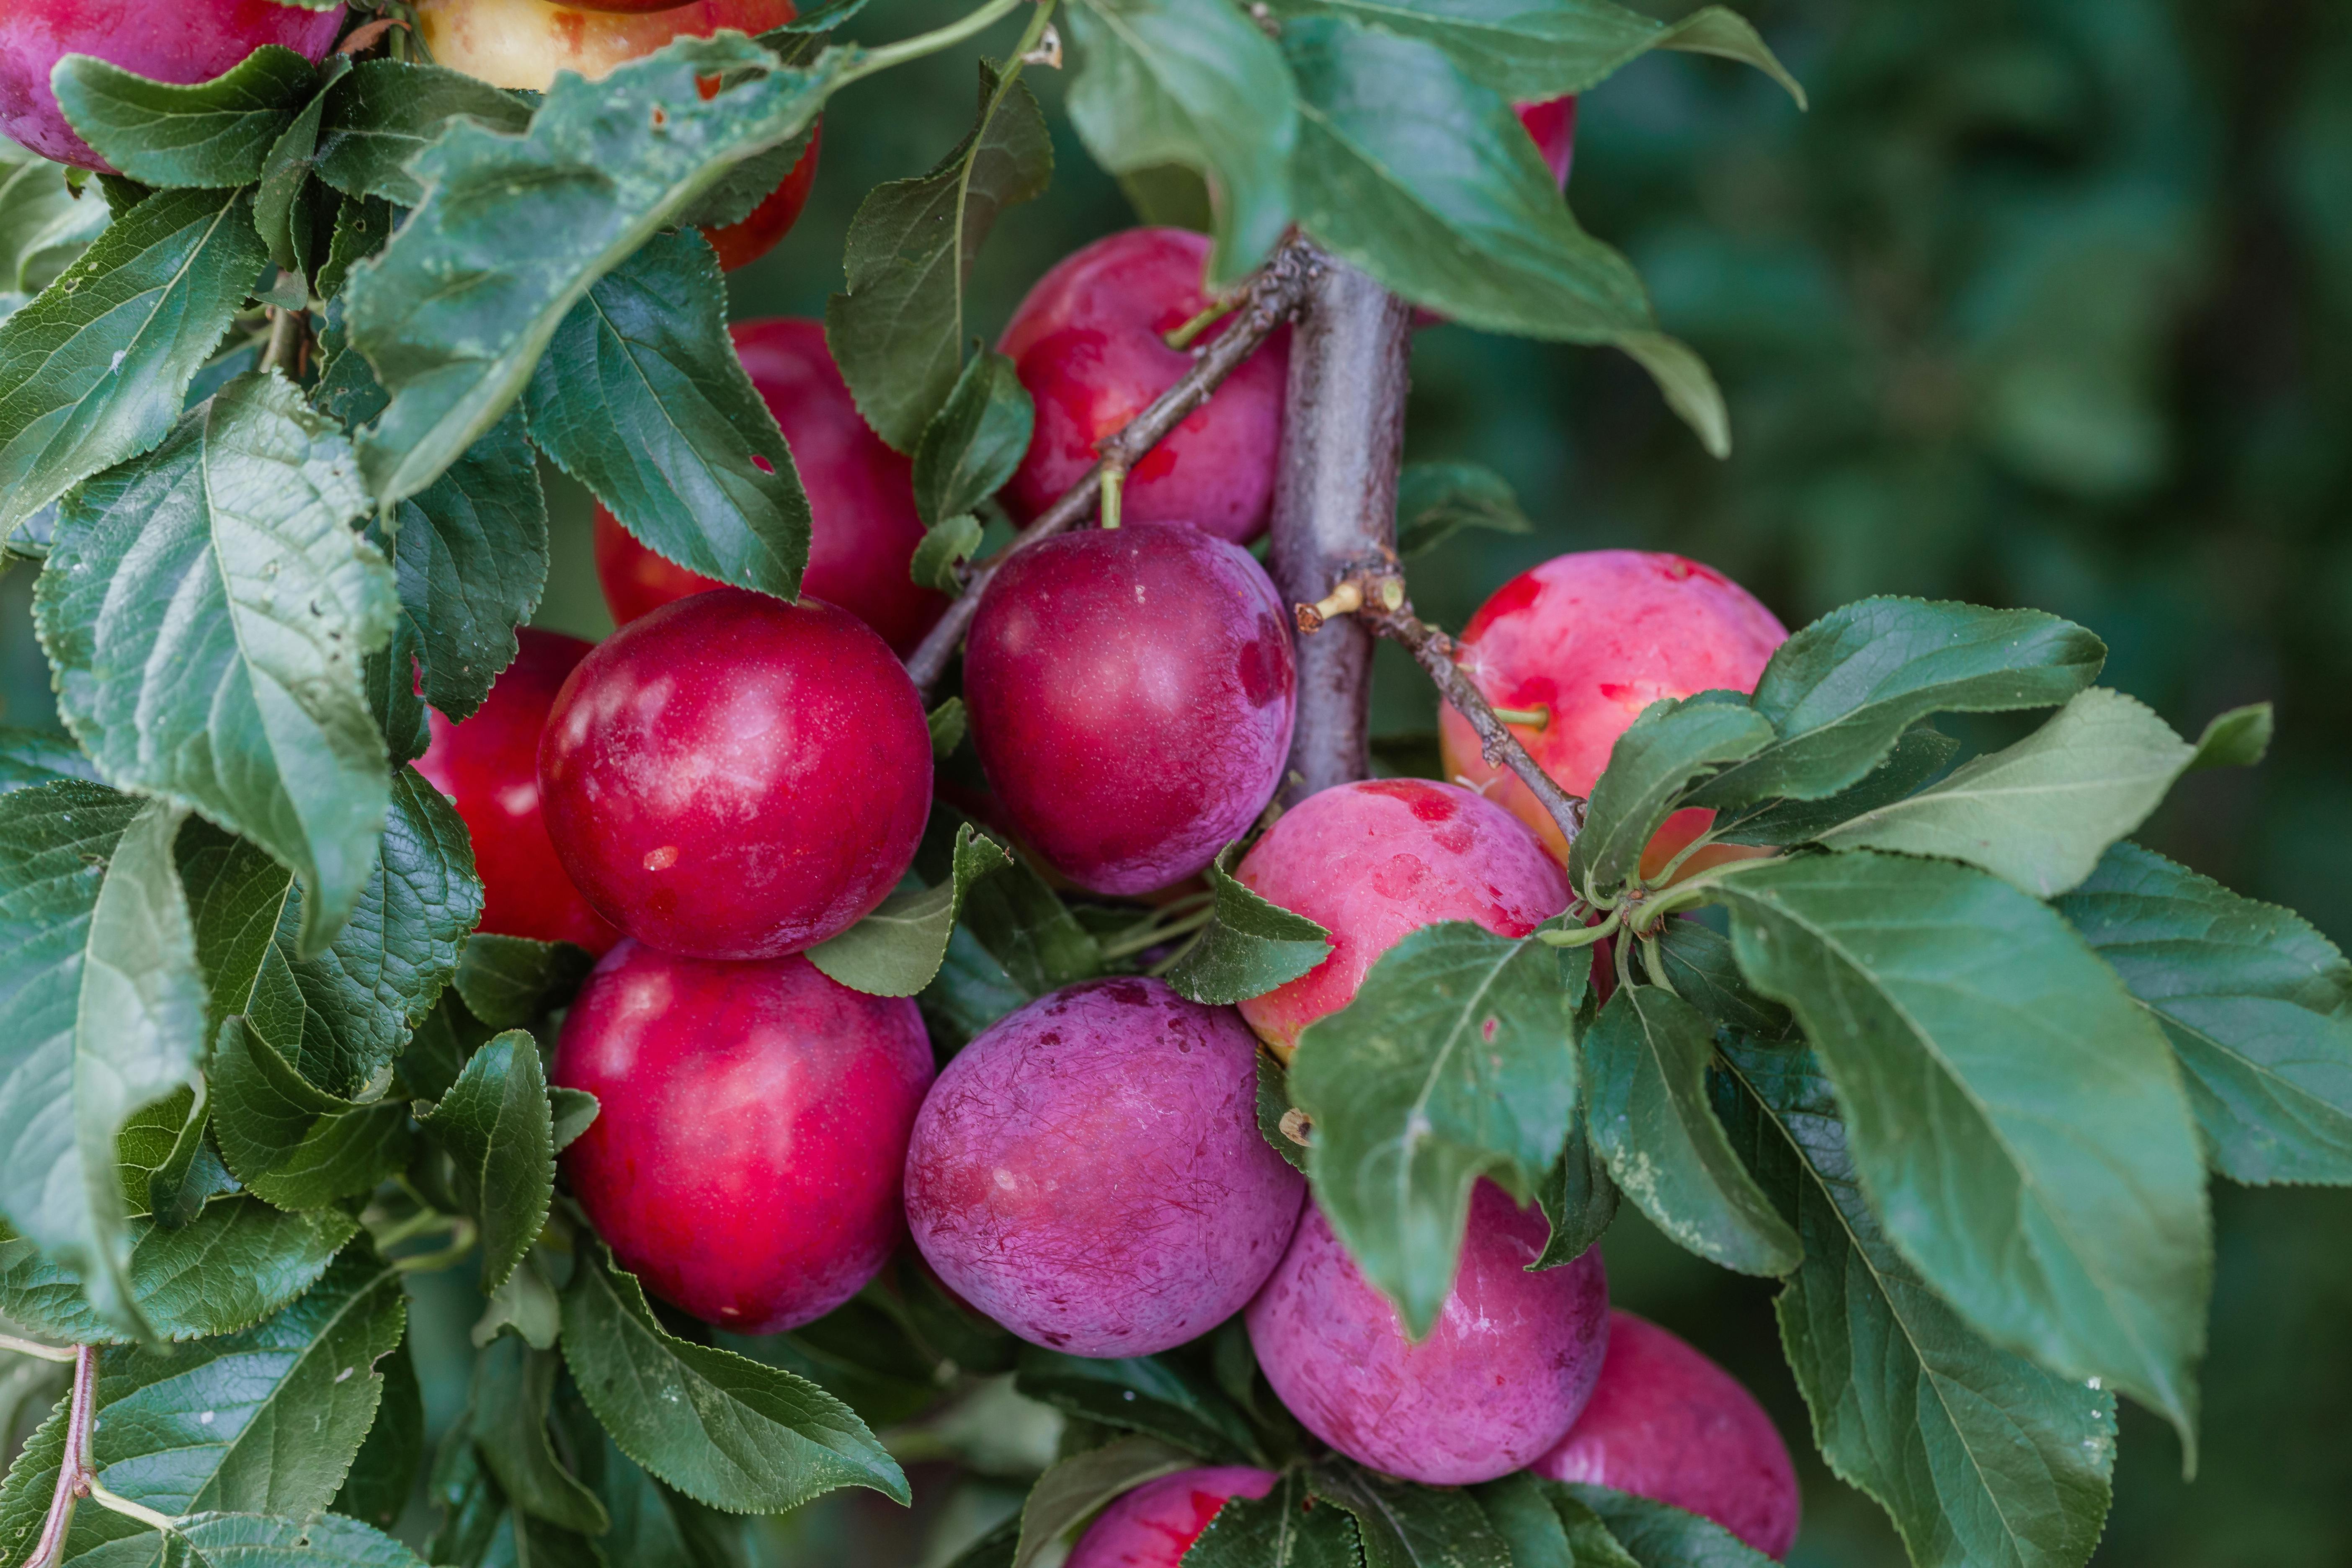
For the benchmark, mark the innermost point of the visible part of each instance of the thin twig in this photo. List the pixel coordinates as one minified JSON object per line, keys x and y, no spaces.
{"x":75,"y":1470}
{"x":285,"y":332}
{"x":1271,"y":296}
{"x":1436,"y":653}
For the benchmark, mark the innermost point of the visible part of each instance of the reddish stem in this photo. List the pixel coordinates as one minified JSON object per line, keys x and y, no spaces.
{"x":77,"y":1469}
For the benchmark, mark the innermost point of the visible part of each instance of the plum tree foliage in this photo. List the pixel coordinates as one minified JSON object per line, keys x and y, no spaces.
{"x":1936,"y":1047}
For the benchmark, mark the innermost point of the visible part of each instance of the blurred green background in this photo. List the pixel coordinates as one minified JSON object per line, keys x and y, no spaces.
{"x":2045,"y":302}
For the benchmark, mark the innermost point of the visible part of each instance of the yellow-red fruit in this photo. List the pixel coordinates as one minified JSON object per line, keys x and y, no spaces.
{"x":523,"y":43}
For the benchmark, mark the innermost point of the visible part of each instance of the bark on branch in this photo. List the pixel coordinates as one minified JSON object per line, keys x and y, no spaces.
{"x":1268,"y":299}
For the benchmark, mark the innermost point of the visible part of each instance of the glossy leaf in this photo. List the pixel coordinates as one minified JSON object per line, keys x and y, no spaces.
{"x":92,"y":370}
{"x":1424,"y":178}
{"x":290,"y":1142}
{"x":1437,"y":501}
{"x":1979,"y":1456}
{"x":512,"y":982}
{"x":2256,"y":1004}
{"x":971,"y":991}
{"x":235,"y":1263}
{"x":531,"y":221}
{"x":274,"y":1541}
{"x":1654,"y":761}
{"x":1578,"y":1200}
{"x":1919,"y":754}
{"x":1025,"y":925}
{"x":31,"y":757}
{"x":499,"y":1135}
{"x":281,"y":214}
{"x":1084,"y":1482}
{"x":1655,"y":1535}
{"x":1454,"y":1062}
{"x":1401,"y":1525}
{"x":45,"y":224}
{"x":899,"y":333}
{"x":1250,"y":944}
{"x":208,"y":135}
{"x":2016,"y":1118}
{"x":1536,"y":49}
{"x":470,"y":550}
{"x":973,"y":444}
{"x":1284,"y":1528}
{"x":206,"y":609}
{"x":896,"y":950}
{"x":236,"y":898}
{"x":1273,"y":1105}
{"x":641,"y":397}
{"x":1159,"y":1396}
{"x":2041,"y":812}
{"x":948,"y":722}
{"x":512,"y":1384}
{"x":941,"y":551}
{"x":722,"y":1429}
{"x":1543,"y":1524}
{"x":383,"y":1473}
{"x":1645,"y":1089}
{"x":1844,"y":689}
{"x":101,"y":1012}
{"x":377,"y":119}
{"x":1195,"y":84}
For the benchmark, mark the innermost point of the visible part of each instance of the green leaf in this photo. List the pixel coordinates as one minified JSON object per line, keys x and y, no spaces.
{"x":574,"y":1111}
{"x":1250,"y":945}
{"x":1159,"y":1396}
{"x":31,"y":757}
{"x":1842,"y":691}
{"x":213,"y":1423}
{"x":1578,"y":1198}
{"x":1085,"y":1482}
{"x":973,"y":444}
{"x":1699,"y":966}
{"x":236,"y":898}
{"x":653,"y":1527}
{"x":531,"y":221}
{"x":209,"y":134}
{"x":280,"y":214}
{"x":970,"y":991}
{"x":2041,"y":812}
{"x":513,"y":982}
{"x":1646,"y":1086}
{"x":362,"y":224}
{"x":1191,"y":83}
{"x":290,"y":1142}
{"x":383,"y":972}
{"x":206,"y":610}
{"x":1273,"y":1105}
{"x":1284,"y":1528}
{"x":1425,"y":179}
{"x":1455,"y":1061}
{"x":170,"y":1168}
{"x":512,"y":1384}
{"x":2256,"y":1004}
{"x":273,"y":1541}
{"x":499,"y":1135}
{"x":1920,"y":754}
{"x":2016,"y":1119}
{"x":1672,"y":743}
{"x":45,"y":224}
{"x":1544,"y":1524}
{"x":642,"y":398}
{"x":101,"y":1012}
{"x":1537,"y":50}
{"x":470,"y":552}
{"x":941,"y":551}
{"x":899,"y":333}
{"x":2238,"y":738}
{"x":525,"y":1303}
{"x":383,"y":1473}
{"x":1655,"y":1535}
{"x":235,"y":1263}
{"x":1402,"y":1525}
{"x":385,"y":112}
{"x":1025,"y":925}
{"x":436,"y":1053}
{"x":896,"y":950}
{"x":723,"y":1429}
{"x":92,"y":370}
{"x":1979,"y":1456}
{"x":1437,"y":500}
{"x":948,"y":722}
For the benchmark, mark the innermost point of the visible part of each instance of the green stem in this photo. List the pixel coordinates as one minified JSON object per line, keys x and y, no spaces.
{"x":873,"y":62}
{"x":16,"y":1346}
{"x":1152,"y":936}
{"x":129,"y":1510}
{"x":1653,"y":965}
{"x":1179,"y":338}
{"x":1583,"y":936}
{"x":1697,"y":890}
{"x":461,"y":1230}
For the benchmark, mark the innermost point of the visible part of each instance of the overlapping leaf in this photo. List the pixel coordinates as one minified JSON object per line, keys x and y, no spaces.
{"x":510,"y":982}
{"x":512,"y":1384}
{"x":1437,"y":500}
{"x":1158,"y":1396}
{"x":291,"y":1143}
{"x":1672,"y":743}
{"x":896,"y":950}
{"x":1401,"y":1525}
{"x":1454,"y":1061}
{"x":1249,"y":946}
{"x":499,"y":1133}
{"x":974,"y":443}
{"x":385,"y":112}
{"x":1084,"y":1482}
{"x":1285,"y":1528}
{"x":208,"y":135}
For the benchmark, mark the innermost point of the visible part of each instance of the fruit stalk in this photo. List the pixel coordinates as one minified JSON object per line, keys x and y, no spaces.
{"x":1271,"y":296}
{"x":1335,"y":503}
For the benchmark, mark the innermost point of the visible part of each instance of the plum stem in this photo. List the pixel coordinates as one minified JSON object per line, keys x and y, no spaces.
{"x":77,"y":1472}
{"x":1181,"y":337}
{"x":1269,"y":298}
{"x":285,"y":333}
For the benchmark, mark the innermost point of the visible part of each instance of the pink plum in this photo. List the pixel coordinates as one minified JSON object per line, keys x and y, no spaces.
{"x":751,"y":1130}
{"x":164,"y":40}
{"x":732,"y":777}
{"x":1592,"y":638}
{"x":1089,"y":1172}
{"x":1131,"y":697}
{"x":1373,"y":862}
{"x":1499,"y":1379}
{"x":1664,"y":1422}
{"x":1155,"y":1524}
{"x":1087,"y":344}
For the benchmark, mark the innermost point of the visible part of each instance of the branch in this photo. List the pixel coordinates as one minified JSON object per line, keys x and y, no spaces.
{"x":1270,"y":297}
{"x":77,"y":1472}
